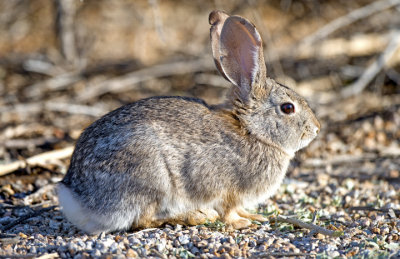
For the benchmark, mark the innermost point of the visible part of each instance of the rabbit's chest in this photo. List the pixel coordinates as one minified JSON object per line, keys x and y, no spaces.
{"x":266,"y":185}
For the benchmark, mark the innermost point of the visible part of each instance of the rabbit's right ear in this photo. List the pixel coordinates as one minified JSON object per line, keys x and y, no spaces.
{"x":238,"y":54}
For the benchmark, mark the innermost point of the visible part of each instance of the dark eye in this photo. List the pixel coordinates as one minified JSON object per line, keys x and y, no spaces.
{"x":287,"y":108}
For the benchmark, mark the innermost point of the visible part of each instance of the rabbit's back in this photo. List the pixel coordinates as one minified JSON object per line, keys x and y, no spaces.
{"x":128,"y":143}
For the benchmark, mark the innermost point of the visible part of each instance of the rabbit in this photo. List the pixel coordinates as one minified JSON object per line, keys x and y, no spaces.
{"x":178,"y":160}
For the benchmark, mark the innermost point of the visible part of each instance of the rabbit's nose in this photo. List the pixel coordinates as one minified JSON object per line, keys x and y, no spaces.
{"x":316,"y":130}
{"x":317,"y":125}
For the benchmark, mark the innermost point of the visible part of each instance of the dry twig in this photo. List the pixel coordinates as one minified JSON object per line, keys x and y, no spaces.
{"x":338,"y":160}
{"x":29,"y":143}
{"x":355,"y":46}
{"x":349,"y":18}
{"x":158,"y":254}
{"x":25,"y":217}
{"x":374,"y":68}
{"x":285,"y":255}
{"x":397,"y":212}
{"x":41,"y":67}
{"x":48,"y":256}
{"x":129,"y":81}
{"x":211,"y":79}
{"x":38,"y":194}
{"x":65,"y":29}
{"x":157,"y":19}
{"x":40,"y":159}
{"x":28,"y":109}
{"x":313,"y":227}
{"x":55,"y":83}
{"x":120,"y":83}
{"x":71,"y":108}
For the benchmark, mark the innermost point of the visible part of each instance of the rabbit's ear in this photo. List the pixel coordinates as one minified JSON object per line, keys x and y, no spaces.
{"x":241,"y":57}
{"x":217,"y":20}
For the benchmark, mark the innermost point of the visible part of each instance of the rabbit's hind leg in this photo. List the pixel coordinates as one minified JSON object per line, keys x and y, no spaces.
{"x":194,"y":217}
{"x":148,"y":218}
{"x":147,"y":223}
{"x":243,"y":213}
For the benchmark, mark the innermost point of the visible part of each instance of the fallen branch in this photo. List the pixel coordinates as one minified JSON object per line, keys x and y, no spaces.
{"x":312,"y":227}
{"x":25,"y":217}
{"x":129,"y":81}
{"x":211,"y":79}
{"x":393,"y":75}
{"x":355,"y":108}
{"x":285,"y":255}
{"x":348,"y":19}
{"x":374,"y":68}
{"x":157,"y":19}
{"x":40,"y":159}
{"x":28,"y":143}
{"x":368,"y":208}
{"x":72,"y":108}
{"x":384,"y":152}
{"x":28,"y":200}
{"x":337,"y":160}
{"x":41,"y":67}
{"x":54,"y":83}
{"x":356,"y":46}
{"x":158,"y":254}
{"x":65,"y":29}
{"x":52,"y":105}
{"x":48,"y":256}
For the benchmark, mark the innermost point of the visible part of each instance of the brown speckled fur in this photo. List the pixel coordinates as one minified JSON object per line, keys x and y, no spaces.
{"x":169,"y":159}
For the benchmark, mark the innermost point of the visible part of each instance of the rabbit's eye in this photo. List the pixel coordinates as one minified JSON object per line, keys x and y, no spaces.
{"x":287,"y":108}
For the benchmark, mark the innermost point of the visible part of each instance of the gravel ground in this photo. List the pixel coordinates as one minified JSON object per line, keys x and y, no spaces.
{"x":346,"y":181}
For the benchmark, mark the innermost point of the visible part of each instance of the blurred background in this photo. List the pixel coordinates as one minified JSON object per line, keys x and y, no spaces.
{"x":63,"y":64}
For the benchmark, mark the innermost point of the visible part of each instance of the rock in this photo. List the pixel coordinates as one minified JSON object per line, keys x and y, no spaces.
{"x":130,"y":253}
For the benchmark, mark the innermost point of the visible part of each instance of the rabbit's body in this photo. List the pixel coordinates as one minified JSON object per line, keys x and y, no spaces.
{"x":174,"y":159}
{"x":150,"y":135}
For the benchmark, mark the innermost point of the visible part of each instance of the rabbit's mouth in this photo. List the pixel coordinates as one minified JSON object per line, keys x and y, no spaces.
{"x":303,"y":143}
{"x":305,"y":139}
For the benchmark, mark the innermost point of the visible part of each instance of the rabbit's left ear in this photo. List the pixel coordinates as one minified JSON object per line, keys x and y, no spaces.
{"x":240,"y":54}
{"x":217,"y":20}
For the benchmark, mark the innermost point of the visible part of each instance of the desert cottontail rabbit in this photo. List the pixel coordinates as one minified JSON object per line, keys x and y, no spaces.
{"x":179,"y":160}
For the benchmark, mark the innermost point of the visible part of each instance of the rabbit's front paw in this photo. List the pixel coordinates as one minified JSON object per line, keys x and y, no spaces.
{"x":237,"y":222}
{"x":211,"y":215}
{"x":243,"y":213}
{"x":199,"y":217}
{"x":195,"y":218}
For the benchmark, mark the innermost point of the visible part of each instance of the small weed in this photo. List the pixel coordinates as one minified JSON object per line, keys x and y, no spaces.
{"x":268,"y":210}
{"x":183,"y":253}
{"x":305,"y":199}
{"x":337,"y":201}
{"x":239,"y":238}
{"x":216,"y":225}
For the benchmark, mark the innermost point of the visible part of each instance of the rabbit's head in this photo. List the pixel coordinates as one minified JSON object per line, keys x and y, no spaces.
{"x":273,"y":113}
